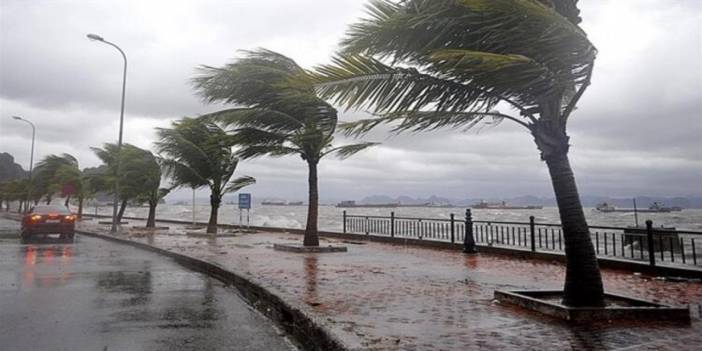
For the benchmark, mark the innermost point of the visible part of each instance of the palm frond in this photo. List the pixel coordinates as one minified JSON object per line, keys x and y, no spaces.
{"x":417,"y":121}
{"x":346,"y":151}
{"x":358,"y":81}
{"x":272,"y":120}
{"x":239,"y":183}
{"x":253,"y":151}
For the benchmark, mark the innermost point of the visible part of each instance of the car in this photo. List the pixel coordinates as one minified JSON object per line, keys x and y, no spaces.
{"x":43,"y":220}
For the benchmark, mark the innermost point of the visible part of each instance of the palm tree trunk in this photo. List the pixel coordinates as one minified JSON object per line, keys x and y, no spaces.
{"x":215,"y":200}
{"x":311,"y":237}
{"x":80,"y":207}
{"x":151,"y":220}
{"x":583,"y":282}
{"x":122,"y":207}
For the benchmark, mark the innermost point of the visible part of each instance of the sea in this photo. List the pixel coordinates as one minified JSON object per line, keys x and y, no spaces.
{"x":331,"y":217}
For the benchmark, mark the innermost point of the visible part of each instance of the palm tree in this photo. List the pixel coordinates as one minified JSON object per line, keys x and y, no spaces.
{"x":45,"y":181}
{"x":453,"y":61}
{"x":139,"y":173}
{"x":196,"y":152}
{"x":281,"y":115}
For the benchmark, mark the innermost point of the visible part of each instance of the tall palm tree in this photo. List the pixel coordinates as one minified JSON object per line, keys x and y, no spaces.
{"x":196,"y":152}
{"x":426,"y":64}
{"x":280,"y":115}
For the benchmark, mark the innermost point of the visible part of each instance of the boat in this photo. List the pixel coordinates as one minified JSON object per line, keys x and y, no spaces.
{"x":653,"y":208}
{"x":503,"y":206}
{"x":281,"y":203}
{"x":605,"y":207}
{"x":274,"y":203}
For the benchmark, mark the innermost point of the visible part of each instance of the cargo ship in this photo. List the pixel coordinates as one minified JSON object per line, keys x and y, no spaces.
{"x":503,"y":206}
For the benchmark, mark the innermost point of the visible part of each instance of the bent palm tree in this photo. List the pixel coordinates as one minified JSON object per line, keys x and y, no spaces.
{"x":45,"y":178}
{"x":136,"y":177}
{"x":282,"y":116}
{"x":199,"y":153}
{"x":453,"y":61}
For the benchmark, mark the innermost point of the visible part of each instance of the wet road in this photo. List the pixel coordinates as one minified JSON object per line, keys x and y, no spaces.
{"x":97,"y":295}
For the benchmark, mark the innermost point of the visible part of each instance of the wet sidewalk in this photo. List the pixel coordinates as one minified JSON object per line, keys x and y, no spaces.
{"x":393,"y":297}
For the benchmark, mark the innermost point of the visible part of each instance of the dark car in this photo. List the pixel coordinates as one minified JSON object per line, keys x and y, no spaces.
{"x":42,"y":220}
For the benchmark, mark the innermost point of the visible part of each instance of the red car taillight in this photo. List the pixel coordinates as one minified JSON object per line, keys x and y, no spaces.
{"x":35,"y":218}
{"x":70,"y":218}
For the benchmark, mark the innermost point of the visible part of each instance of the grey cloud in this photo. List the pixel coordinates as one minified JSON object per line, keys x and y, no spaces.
{"x":636,"y":131}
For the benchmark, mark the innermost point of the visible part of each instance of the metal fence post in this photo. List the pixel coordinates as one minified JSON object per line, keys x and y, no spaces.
{"x":468,"y":240}
{"x":392,"y":224}
{"x":344,"y":221}
{"x":649,"y":237}
{"x":533,"y":230}
{"x":453,"y":229}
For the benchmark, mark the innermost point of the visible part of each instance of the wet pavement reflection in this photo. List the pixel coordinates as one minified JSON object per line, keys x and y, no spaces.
{"x":97,"y":295}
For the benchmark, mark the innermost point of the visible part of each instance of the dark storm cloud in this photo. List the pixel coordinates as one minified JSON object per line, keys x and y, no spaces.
{"x":637,"y":129}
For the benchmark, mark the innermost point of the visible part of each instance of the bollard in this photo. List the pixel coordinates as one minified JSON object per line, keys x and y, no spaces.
{"x":649,"y":238}
{"x":532,"y":228}
{"x":468,"y":240}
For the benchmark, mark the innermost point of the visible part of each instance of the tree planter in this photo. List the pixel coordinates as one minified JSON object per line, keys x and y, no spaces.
{"x":617,"y":307}
{"x":150,"y":228}
{"x":211,"y":235}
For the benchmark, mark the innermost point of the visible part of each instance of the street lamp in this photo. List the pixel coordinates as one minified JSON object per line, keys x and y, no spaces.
{"x":96,"y":37}
{"x":31,"y":161}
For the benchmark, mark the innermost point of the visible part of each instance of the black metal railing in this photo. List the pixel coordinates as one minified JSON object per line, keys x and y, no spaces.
{"x":648,"y":244}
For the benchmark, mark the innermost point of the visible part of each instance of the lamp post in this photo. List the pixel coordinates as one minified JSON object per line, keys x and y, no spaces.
{"x":115,"y":201}
{"x":31,"y":161}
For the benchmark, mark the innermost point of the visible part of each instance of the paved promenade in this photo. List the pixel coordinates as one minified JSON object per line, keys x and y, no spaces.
{"x":392,"y":297}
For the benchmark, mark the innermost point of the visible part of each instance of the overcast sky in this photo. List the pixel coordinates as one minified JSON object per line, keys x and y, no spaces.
{"x":638,"y":129}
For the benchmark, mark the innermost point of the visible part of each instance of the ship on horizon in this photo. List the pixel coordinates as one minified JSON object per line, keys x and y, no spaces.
{"x":653,"y":208}
{"x":503,"y":206}
{"x":282,"y":203}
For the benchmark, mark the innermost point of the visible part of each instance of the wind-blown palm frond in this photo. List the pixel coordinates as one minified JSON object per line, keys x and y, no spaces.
{"x":516,"y":51}
{"x":239,"y":183}
{"x":182,"y":175}
{"x":346,"y":151}
{"x":359,"y":81}
{"x":417,"y":121}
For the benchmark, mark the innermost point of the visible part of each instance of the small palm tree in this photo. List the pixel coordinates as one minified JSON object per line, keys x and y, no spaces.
{"x":196,"y":152}
{"x":281,"y":116}
{"x":453,"y":62}
{"x":139,"y":173}
{"x":45,"y":181}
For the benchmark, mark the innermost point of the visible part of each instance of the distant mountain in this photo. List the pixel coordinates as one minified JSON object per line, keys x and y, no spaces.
{"x":405,"y":200}
{"x":9,"y":170}
{"x":526,"y":200}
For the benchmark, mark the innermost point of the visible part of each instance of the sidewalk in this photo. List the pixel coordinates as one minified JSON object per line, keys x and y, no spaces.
{"x":392,"y":297}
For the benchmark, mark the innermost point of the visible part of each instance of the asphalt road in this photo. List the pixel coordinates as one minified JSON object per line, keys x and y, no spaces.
{"x":98,"y":295}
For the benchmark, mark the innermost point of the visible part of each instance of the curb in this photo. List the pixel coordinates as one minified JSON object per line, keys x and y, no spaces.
{"x":306,"y":332}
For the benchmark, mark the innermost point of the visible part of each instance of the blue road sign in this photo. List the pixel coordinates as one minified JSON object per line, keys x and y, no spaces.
{"x":245,"y":201}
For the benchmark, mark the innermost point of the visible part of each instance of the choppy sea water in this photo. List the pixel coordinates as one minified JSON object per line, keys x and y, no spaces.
{"x":330,"y":217}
